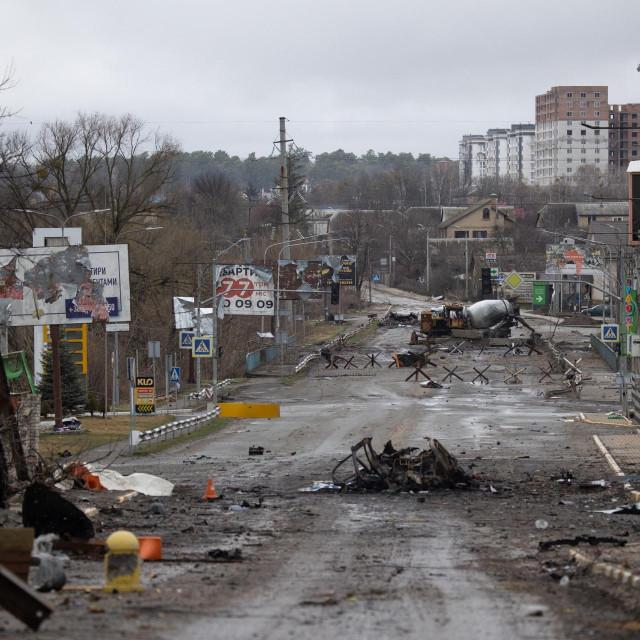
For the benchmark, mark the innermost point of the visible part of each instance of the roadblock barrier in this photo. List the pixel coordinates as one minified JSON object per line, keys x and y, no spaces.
{"x":249,"y":410}
{"x":177,"y":427}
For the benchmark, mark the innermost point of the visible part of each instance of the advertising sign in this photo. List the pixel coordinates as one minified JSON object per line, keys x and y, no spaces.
{"x":246,"y":290}
{"x":66,"y":285}
{"x":145,"y":395}
{"x":630,"y":307}
{"x":569,"y":259}
{"x":302,"y":279}
{"x":490,"y":256}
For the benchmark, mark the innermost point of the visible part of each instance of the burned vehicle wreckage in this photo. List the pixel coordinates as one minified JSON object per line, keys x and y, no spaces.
{"x":408,"y":469}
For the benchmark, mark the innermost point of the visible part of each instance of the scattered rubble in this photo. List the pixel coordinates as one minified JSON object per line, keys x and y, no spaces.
{"x":545,"y":545}
{"x":226,"y":555}
{"x":405,"y":469}
{"x":256,"y":451}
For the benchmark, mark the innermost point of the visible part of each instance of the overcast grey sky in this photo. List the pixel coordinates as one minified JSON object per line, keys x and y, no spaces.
{"x":391,"y":75}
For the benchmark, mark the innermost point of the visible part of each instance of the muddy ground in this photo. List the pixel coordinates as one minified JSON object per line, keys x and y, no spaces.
{"x":324,"y":565}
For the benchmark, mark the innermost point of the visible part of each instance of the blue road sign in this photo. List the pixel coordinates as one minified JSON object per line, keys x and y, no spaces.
{"x":202,"y":347}
{"x":174,"y":375}
{"x":610,"y":333}
{"x":376,"y":277}
{"x":186,"y":338}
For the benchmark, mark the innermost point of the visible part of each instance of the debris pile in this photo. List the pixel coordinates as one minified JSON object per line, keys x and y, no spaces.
{"x":404,"y":469}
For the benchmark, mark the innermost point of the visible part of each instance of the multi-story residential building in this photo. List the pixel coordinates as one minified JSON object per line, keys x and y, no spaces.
{"x":521,"y":152}
{"x":472,"y":158}
{"x":562,"y":144}
{"x":624,"y":145}
{"x":500,"y":153}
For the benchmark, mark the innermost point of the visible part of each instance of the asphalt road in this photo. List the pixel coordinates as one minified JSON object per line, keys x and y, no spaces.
{"x":453,"y":563}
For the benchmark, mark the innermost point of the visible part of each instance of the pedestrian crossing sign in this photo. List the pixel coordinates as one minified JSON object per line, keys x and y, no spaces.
{"x":610,"y":333}
{"x":186,"y":338}
{"x":174,"y":376}
{"x":202,"y":347}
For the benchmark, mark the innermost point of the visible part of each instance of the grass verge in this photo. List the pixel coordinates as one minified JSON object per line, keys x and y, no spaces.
{"x":96,"y":433}
{"x":162,"y":445}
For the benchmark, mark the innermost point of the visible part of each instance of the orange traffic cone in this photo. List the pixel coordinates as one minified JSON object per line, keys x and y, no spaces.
{"x":210,"y":492}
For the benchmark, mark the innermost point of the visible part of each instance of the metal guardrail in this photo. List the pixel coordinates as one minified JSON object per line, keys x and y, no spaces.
{"x":207,"y":392}
{"x":172,"y":429}
{"x":605,"y":352}
{"x":305,"y":361}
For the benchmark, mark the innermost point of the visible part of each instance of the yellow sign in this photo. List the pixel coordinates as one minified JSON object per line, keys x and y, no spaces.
{"x":249,"y":410}
{"x":75,"y":336}
{"x":145,"y":395}
{"x":514,"y":280}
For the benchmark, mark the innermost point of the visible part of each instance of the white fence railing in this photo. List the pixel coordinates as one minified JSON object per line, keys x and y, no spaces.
{"x":207,"y":392}
{"x":177,"y":427}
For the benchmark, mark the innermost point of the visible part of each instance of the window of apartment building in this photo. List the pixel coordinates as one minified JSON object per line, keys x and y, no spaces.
{"x":583,"y":95}
{"x":460,"y":234}
{"x":583,"y":141}
{"x":583,"y":103}
{"x":569,"y":94}
{"x":583,"y":132}
{"x":583,"y":114}
{"x":596,"y":94}
{"x":569,"y":114}
{"x":634,"y":152}
{"x":569,"y":132}
{"x":583,"y":161}
{"x":597,"y":150}
{"x":597,"y":132}
{"x":569,"y":169}
{"x":596,"y":114}
{"x":486,"y":213}
{"x":583,"y":150}
{"x":634,"y":116}
{"x":569,"y":150}
{"x":634,"y":125}
{"x":634,"y":134}
{"x":596,"y":103}
{"x":569,"y":159}
{"x":597,"y":160}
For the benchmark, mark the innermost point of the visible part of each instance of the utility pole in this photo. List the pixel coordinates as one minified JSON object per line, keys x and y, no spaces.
{"x":466,"y":267}
{"x":428,"y":267}
{"x":198,"y":332}
{"x":214,"y":330}
{"x":284,"y":204}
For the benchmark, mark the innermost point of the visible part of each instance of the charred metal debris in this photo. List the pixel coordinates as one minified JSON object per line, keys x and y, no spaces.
{"x":408,"y":469}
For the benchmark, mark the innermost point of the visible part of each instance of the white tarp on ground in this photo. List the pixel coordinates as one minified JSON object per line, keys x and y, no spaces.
{"x":143,"y":483}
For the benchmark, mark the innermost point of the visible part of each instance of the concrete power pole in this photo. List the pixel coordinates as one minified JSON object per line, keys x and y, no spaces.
{"x":284,"y":200}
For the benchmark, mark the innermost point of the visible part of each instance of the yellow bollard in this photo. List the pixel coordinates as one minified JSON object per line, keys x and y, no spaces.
{"x":122,"y":563}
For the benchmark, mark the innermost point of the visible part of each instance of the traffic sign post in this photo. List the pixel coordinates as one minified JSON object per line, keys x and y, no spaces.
{"x":610,"y":333}
{"x":202,"y":347}
{"x":186,"y":338}
{"x":174,"y":376}
{"x":540,"y":297}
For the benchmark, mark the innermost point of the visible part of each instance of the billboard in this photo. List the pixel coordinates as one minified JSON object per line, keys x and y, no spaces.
{"x":245,"y":290}
{"x":572,"y":260}
{"x":306,"y":278}
{"x":65,"y":285}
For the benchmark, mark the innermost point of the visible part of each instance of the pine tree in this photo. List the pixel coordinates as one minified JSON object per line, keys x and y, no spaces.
{"x":73,"y":393}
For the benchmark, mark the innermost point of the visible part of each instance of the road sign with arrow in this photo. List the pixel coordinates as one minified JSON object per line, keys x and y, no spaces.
{"x":540,"y":290}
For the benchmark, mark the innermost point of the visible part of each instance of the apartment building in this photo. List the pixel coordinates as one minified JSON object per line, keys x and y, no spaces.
{"x":500,"y":153}
{"x":623,"y":136}
{"x":563,"y":145}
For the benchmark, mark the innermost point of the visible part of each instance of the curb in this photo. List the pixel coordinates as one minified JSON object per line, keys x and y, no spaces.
{"x":614,"y":571}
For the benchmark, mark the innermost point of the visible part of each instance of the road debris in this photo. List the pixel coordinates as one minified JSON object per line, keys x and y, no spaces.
{"x":21,"y":601}
{"x":145,"y":483}
{"x":226,"y":555}
{"x":256,"y":451}
{"x":541,"y":524}
{"x":49,"y":574}
{"x":545,"y":545}
{"x":404,"y":469}
{"x":630,"y":509}
{"x":48,"y":512}
{"x":321,"y":485}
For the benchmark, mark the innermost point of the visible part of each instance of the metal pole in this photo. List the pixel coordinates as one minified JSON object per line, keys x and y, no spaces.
{"x":466,"y":266}
{"x":116,"y":369}
{"x":198,"y":332}
{"x":214,"y":331}
{"x":167,"y":364}
{"x":284,"y":204}
{"x":428,"y":267}
{"x":106,"y":371}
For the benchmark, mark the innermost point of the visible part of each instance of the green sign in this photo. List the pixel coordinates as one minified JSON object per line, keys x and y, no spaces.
{"x":540,"y":290}
{"x":494,"y":272}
